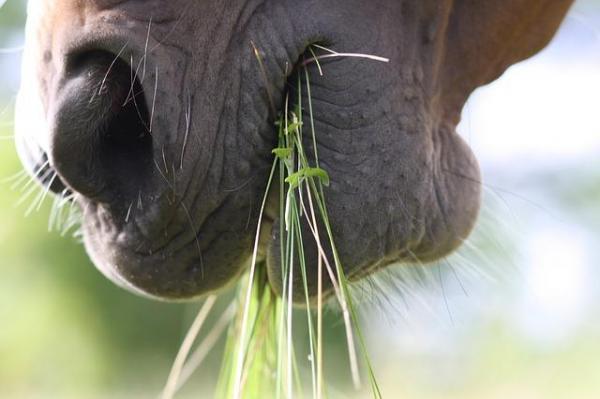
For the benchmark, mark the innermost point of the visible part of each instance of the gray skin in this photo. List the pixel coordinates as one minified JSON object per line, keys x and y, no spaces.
{"x":170,"y":179}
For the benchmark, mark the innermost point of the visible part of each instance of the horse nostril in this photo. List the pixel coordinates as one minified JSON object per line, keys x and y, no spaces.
{"x":100,"y":143}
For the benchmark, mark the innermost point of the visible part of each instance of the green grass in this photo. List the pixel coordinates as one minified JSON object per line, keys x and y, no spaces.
{"x":260,"y":358}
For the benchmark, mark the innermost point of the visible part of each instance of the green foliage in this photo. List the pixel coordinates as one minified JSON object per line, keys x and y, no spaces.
{"x":12,"y":16}
{"x":67,"y":330}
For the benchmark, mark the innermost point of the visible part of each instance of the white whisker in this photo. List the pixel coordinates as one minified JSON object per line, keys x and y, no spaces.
{"x":46,"y":190}
{"x":16,"y":176}
{"x":188,"y":116}
{"x":195,"y":233}
{"x":145,"y":57}
{"x":154,"y":99}
{"x":128,"y":212}
{"x":112,"y":64}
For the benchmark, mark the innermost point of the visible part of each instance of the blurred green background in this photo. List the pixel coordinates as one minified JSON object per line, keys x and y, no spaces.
{"x":514,"y":314}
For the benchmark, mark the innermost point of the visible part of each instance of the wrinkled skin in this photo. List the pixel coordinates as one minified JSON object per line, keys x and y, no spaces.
{"x":157,"y":116}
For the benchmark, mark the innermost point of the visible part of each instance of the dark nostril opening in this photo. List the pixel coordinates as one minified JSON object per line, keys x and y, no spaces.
{"x":125,"y":143}
{"x":102,"y":146}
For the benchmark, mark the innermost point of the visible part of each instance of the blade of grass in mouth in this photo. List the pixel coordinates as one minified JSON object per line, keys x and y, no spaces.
{"x":260,"y":358}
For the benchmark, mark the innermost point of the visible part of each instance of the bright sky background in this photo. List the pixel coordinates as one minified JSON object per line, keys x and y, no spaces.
{"x":544,"y":110}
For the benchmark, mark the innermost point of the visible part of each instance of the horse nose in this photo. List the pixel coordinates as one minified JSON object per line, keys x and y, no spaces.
{"x":100,"y":143}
